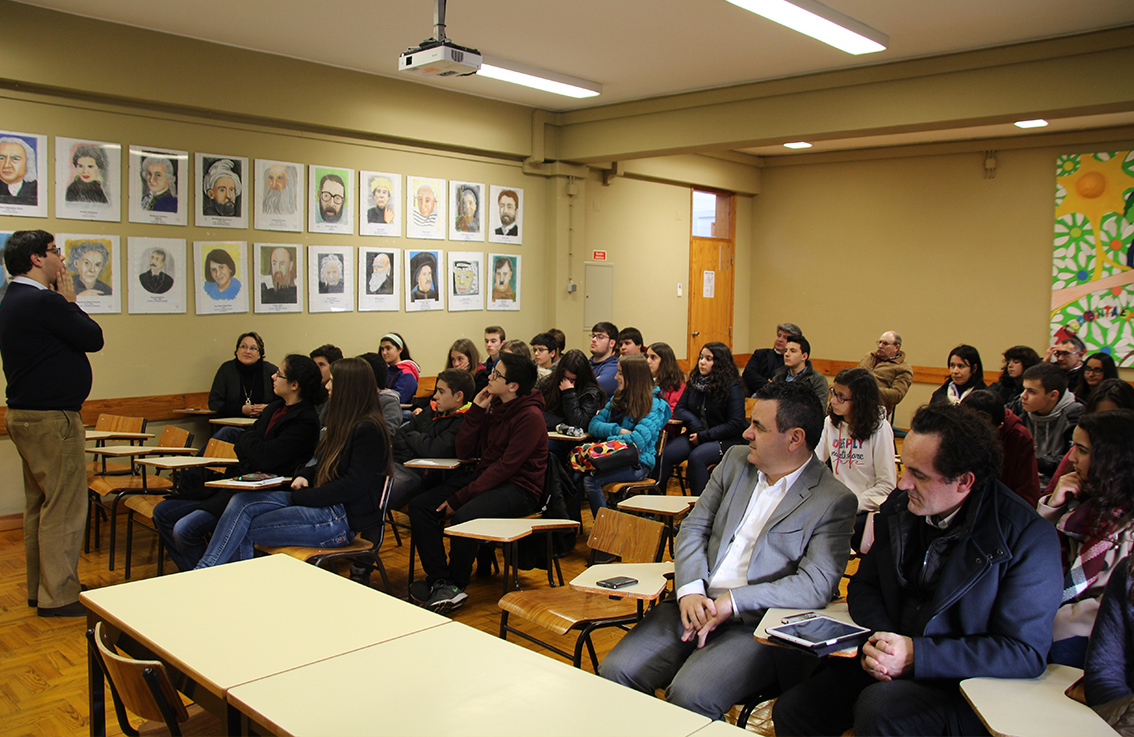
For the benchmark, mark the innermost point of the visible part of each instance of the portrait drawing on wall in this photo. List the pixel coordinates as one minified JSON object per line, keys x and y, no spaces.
{"x":221,"y":270}
{"x":425,"y":203}
{"x":466,"y":285}
{"x":23,"y":174}
{"x":380,"y":213}
{"x":506,"y":215}
{"x":378,"y":278}
{"x":331,"y":276}
{"x":220,"y":196}
{"x":279,"y":274}
{"x":87,"y":179}
{"x":466,"y":219}
{"x":156,"y":275}
{"x":422,"y":292}
{"x":505,"y":281}
{"x":332,"y":201}
{"x":159,"y":189}
{"x":90,"y":261}
{"x":280,"y":194}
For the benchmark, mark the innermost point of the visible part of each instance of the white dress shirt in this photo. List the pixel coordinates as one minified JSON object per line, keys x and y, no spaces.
{"x":733,"y":570}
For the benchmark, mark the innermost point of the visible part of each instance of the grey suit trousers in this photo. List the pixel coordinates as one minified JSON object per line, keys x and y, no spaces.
{"x":709,"y":681}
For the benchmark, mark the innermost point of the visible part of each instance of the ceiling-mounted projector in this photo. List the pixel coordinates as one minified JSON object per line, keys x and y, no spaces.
{"x":439,"y":59}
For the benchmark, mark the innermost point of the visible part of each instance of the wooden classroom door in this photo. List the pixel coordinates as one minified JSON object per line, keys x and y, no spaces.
{"x":711,"y":263}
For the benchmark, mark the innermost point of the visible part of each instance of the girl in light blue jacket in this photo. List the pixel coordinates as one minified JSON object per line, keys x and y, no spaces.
{"x":635,"y":415}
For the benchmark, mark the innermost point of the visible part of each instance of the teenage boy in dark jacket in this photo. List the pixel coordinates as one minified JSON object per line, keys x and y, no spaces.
{"x":504,"y":429}
{"x":430,"y":433}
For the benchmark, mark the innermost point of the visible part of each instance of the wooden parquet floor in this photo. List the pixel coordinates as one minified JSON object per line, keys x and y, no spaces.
{"x":43,"y":678}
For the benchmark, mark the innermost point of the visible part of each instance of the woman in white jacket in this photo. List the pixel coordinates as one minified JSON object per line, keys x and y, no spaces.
{"x":858,"y":443}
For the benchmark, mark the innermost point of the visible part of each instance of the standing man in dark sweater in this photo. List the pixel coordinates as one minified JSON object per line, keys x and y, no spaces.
{"x":44,"y":339}
{"x":504,"y":428}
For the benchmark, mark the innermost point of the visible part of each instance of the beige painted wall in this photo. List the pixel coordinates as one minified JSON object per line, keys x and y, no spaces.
{"x":644,"y":227}
{"x":923,"y":245}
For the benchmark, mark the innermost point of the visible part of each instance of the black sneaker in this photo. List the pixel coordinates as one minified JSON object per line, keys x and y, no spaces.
{"x":446,"y":597}
{"x":419,"y":592}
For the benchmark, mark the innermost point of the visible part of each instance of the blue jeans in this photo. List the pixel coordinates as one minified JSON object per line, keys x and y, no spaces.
{"x":183,"y":527}
{"x":700,"y":457}
{"x":229,"y":540}
{"x":594,"y":481}
{"x":315,"y":527}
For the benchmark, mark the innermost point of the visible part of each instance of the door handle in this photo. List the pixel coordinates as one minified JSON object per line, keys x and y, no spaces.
{"x":695,"y":333}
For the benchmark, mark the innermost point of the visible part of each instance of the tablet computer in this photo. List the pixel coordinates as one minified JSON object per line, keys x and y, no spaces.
{"x":820,"y":632}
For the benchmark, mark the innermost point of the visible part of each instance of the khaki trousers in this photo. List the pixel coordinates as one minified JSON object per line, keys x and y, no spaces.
{"x":51,"y":444}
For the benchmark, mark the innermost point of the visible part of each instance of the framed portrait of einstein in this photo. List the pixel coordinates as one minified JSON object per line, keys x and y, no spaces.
{"x":331,"y":275}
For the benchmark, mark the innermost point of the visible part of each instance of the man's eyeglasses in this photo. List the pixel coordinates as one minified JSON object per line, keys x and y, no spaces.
{"x":599,"y":336}
{"x":1062,"y":354}
{"x":328,"y":197}
{"x":496,"y":375}
{"x":886,"y":342}
{"x":53,"y":249}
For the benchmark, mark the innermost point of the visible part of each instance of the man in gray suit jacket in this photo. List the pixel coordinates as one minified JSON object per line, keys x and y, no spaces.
{"x":772,"y":529}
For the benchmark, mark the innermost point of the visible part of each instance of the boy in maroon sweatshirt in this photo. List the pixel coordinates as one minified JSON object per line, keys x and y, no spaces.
{"x":505,"y":429}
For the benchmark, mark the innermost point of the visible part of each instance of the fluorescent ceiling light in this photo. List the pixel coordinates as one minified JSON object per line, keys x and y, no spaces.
{"x":1037,"y":123}
{"x":540,"y":79}
{"x":798,"y":144}
{"x":813,"y":18}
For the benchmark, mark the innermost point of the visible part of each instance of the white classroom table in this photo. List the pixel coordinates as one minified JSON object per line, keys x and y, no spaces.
{"x":454,"y":680}
{"x":238,"y":622}
{"x":667,"y":505}
{"x":1033,"y":707}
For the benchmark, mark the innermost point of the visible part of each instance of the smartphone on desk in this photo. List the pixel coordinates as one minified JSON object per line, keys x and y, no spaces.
{"x":617,"y":582}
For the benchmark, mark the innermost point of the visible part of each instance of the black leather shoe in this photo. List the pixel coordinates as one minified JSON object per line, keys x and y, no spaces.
{"x":33,"y":602}
{"x":67,"y":610}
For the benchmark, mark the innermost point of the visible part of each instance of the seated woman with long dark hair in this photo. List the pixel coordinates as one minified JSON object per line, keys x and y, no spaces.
{"x":635,"y":415}
{"x":1109,"y":394}
{"x":1017,"y":360}
{"x":329,"y":502}
{"x":712,"y":408}
{"x":667,"y":374}
{"x":1093,"y":510}
{"x":966,"y":373}
{"x":1096,"y":369}
{"x":571,"y":394}
{"x":403,"y":371}
{"x":281,"y":441}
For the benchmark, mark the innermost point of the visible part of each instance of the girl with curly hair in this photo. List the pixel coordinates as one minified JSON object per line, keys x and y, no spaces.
{"x":1092,"y":508}
{"x":712,"y":408}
